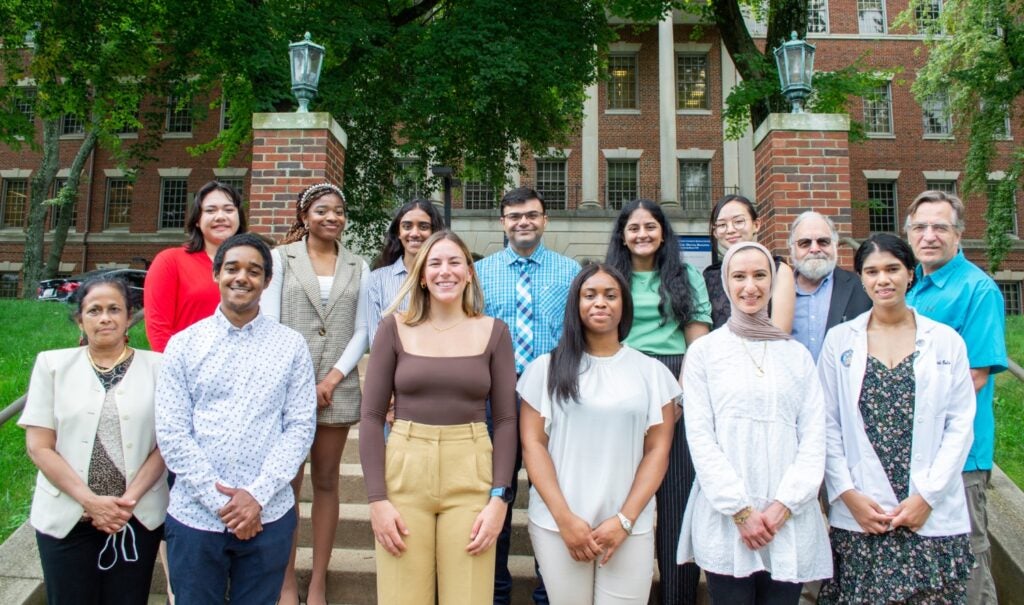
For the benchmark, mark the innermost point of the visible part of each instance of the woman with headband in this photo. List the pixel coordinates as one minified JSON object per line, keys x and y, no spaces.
{"x":317,"y":290}
{"x":755,"y":423}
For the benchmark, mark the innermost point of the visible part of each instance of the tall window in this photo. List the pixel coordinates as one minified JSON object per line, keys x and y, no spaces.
{"x":817,"y":16}
{"x":882,"y":206}
{"x":622,"y":85}
{"x":692,"y":82}
{"x":407,"y":185}
{"x":550,"y":181}
{"x":878,"y":111}
{"x":937,"y":121}
{"x":9,"y":285}
{"x":71,"y":124}
{"x":53,"y":215}
{"x":14,"y":207}
{"x":927,"y":15}
{"x":179,"y":115}
{"x":477,"y":195}
{"x":225,"y":117}
{"x":623,"y":182}
{"x":25,"y":102}
{"x":871,"y":16}
{"x":695,"y":185}
{"x":993,"y":189}
{"x":1011,"y":296}
{"x":945,"y":186}
{"x":119,"y":202}
{"x":173,"y":203}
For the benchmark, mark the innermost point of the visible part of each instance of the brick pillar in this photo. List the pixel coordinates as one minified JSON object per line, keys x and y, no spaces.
{"x":802,"y":162}
{"x":291,"y":151}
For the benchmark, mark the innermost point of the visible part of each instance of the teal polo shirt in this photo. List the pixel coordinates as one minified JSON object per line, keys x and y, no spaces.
{"x":965,"y":298}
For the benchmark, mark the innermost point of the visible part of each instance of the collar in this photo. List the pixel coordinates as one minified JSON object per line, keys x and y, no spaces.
{"x":817,"y":288}
{"x":225,"y":324}
{"x":924,"y":325}
{"x":945,"y":273}
{"x":398,"y":267}
{"x":538,"y":254}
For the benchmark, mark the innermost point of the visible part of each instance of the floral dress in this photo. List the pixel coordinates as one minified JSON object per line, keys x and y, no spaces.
{"x":899,"y":566}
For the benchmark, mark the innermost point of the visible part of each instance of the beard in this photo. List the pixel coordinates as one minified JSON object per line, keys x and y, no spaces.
{"x":815,"y":268}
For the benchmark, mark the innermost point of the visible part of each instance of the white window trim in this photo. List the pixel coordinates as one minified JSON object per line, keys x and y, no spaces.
{"x":692,"y":48}
{"x":622,"y":154}
{"x":114,"y":173}
{"x":230,"y":172}
{"x":695,"y":154}
{"x":174,"y":173}
{"x":624,"y":48}
{"x":553,"y":153}
{"x":16,"y":173}
{"x":885,"y":21}
{"x":882,"y":175}
{"x":828,"y":26}
{"x":941,"y":175}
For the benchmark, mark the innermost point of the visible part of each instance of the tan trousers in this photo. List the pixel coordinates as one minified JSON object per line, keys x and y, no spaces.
{"x":439,"y":479}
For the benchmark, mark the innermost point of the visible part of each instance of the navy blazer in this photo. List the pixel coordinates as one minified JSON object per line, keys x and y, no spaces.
{"x":848,"y":298}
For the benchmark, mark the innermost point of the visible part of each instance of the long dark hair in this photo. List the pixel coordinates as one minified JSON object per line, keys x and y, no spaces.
{"x":732,"y":197}
{"x":195,"y":241}
{"x":564,"y":368}
{"x":674,"y":291}
{"x":393,"y":249}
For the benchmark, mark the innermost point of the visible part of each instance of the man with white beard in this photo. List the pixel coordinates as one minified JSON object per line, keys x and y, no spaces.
{"x":825,"y":294}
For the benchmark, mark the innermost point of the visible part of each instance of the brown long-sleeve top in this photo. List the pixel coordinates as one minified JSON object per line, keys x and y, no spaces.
{"x":438,"y":391}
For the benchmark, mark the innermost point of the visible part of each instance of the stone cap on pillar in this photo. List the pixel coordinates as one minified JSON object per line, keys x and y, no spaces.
{"x":300,"y":121}
{"x":817,"y":122}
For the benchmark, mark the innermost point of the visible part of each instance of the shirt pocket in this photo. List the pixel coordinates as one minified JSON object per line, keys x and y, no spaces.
{"x":552,"y":303}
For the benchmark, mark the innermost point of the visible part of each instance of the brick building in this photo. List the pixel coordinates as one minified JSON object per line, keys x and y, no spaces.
{"x":652,"y":130}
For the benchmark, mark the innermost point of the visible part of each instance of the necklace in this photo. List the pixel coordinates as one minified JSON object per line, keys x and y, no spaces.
{"x":124,"y":355}
{"x":759,"y":367}
{"x":437,"y":329}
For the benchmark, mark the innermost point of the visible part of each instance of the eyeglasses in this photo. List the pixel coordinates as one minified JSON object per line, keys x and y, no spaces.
{"x":823,"y":242}
{"x":515,"y":217}
{"x":739,"y":223}
{"x":937,"y":228}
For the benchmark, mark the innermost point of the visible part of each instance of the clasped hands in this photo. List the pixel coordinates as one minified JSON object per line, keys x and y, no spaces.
{"x":586,"y":543}
{"x":911,"y":513}
{"x":109,"y":513}
{"x":241,"y":514}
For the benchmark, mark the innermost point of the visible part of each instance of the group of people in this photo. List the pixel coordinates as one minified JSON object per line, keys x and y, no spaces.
{"x":701,"y":421}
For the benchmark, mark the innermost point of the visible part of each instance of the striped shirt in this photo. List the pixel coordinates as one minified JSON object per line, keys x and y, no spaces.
{"x":381,"y":291}
{"x":550,"y":277}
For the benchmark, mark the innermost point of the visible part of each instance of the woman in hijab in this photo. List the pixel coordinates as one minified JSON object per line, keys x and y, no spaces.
{"x":755,"y":423}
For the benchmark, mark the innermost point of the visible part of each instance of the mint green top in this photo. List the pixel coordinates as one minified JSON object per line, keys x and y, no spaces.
{"x":646,"y":334}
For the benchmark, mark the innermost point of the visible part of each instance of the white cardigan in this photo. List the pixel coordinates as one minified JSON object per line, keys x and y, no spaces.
{"x":944,"y":405}
{"x":65,"y":395}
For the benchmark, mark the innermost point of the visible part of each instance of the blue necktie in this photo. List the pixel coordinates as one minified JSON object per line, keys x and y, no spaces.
{"x":524,"y":317}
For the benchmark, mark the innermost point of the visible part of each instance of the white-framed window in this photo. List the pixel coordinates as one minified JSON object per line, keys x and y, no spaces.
{"x":882,"y":206}
{"x":225,"y":117}
{"x":878,"y":111}
{"x":179,"y":115}
{"x":407,"y":183}
{"x":695,"y":185}
{"x":119,"y":203}
{"x":478,"y":195}
{"x":25,"y":102}
{"x":1011,"y":297}
{"x":623,"y":182}
{"x":623,"y":83}
{"x":53,"y":213}
{"x":70,"y":124}
{"x":14,"y":204}
{"x":944,"y":185}
{"x":692,"y":78}
{"x":551,"y":183}
{"x":173,"y":202}
{"x":935,"y":112}
{"x":926,"y":15}
{"x":817,"y":16}
{"x":871,"y":16}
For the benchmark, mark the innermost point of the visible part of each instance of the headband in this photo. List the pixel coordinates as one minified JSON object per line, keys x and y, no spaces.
{"x":306,"y":196}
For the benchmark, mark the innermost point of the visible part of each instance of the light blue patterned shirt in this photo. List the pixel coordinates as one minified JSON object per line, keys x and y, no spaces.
{"x":811,"y":314}
{"x":235,"y":406}
{"x":550,"y":277}
{"x":381,"y":291}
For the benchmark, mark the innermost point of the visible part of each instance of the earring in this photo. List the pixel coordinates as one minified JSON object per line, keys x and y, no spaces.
{"x":423,"y":284}
{"x":305,"y":226}
{"x":82,"y":340}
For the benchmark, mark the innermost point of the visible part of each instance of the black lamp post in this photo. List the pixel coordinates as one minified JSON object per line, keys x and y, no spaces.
{"x":307,"y":58}
{"x":795,"y":60}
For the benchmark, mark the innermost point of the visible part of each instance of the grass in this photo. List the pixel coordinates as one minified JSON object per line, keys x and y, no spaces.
{"x":28,"y":328}
{"x":1009,"y":407}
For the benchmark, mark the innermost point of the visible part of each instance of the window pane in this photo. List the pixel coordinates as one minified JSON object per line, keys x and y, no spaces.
{"x":695,"y":186}
{"x":927,"y":15}
{"x":237,"y":182}
{"x":54,"y":212}
{"x":71,"y":124}
{"x":622,"y":182}
{"x":943,"y":186}
{"x":407,"y":185}
{"x":622,"y":83}
{"x":477,"y":195}
{"x":551,"y":183}
{"x":692,"y":82}
{"x":173,"y":202}
{"x":119,"y":202}
{"x":817,"y":16}
{"x":26,"y":102}
{"x":179,"y":115}
{"x":1011,"y":296}
{"x":871,"y":16}
{"x":878,"y":111}
{"x":937,"y":121}
{"x":9,"y":285}
{"x":15,"y":203}
{"x":225,"y":119}
{"x":882,"y":206}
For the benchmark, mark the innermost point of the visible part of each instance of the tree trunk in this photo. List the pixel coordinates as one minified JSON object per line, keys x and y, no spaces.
{"x":32,"y":263}
{"x":67,"y":207}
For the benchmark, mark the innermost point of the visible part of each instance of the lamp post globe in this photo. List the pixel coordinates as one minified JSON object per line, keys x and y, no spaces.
{"x":795,"y":61}
{"x":306,"y":58}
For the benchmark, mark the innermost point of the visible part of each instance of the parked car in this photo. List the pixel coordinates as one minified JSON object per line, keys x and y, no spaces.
{"x":63,"y":288}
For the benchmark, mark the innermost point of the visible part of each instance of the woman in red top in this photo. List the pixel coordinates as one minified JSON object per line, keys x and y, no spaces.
{"x":179,"y":288}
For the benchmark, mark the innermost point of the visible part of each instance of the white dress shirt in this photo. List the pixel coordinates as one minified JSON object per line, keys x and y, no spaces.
{"x":235,"y":406}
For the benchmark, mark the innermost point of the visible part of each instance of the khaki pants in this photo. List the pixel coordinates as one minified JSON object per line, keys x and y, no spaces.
{"x":439,"y":479}
{"x":981,"y":588}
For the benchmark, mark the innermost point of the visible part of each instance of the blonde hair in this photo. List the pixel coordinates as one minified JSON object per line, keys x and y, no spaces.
{"x":419,"y":297}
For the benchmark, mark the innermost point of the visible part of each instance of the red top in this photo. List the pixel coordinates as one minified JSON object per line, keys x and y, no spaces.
{"x":179,"y":291}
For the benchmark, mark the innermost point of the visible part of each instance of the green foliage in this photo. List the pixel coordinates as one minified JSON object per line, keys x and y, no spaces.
{"x":1009,"y":407}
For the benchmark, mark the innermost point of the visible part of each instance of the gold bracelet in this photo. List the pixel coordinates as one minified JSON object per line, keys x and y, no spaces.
{"x":741,"y":517}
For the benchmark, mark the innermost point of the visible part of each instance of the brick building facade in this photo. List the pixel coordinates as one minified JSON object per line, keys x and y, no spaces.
{"x":653,"y":129}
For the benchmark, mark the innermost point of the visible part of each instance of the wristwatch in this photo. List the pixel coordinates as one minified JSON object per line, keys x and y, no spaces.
{"x":626,"y":523}
{"x":505,"y":493}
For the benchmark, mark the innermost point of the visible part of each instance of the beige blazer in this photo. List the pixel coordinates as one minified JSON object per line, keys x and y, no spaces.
{"x":66,"y":396}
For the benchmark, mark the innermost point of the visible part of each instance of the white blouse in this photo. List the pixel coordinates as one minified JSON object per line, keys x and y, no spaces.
{"x":754,"y":440}
{"x":597,"y":443}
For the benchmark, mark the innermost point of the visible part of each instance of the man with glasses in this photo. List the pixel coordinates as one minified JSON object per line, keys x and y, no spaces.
{"x":950,"y":289}
{"x":525,"y":285}
{"x":825,"y":294}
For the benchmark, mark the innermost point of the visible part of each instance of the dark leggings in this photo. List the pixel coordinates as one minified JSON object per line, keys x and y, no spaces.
{"x":757,"y":589}
{"x":71,"y":570}
{"x":678,"y":582}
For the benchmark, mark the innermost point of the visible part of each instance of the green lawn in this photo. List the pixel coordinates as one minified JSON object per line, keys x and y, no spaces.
{"x":28,"y":327}
{"x":1009,"y":407}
